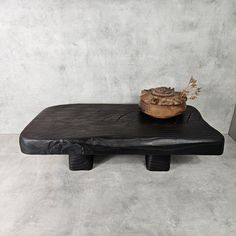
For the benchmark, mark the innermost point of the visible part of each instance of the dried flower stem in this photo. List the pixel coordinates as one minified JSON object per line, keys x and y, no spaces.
{"x":192,"y":90}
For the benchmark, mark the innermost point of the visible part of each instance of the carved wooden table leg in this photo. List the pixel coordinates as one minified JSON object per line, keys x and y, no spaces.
{"x":80,"y":162}
{"x":157,"y":162}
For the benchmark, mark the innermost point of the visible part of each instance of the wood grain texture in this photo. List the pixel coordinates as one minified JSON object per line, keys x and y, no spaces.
{"x":90,"y":129}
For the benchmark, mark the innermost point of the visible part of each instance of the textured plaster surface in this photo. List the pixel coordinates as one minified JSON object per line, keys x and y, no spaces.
{"x":73,"y":51}
{"x":39,"y":196}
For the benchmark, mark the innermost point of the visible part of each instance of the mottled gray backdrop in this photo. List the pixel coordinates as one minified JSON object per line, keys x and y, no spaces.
{"x":72,"y":51}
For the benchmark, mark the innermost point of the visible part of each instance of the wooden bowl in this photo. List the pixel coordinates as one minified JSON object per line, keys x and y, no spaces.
{"x":162,"y":111}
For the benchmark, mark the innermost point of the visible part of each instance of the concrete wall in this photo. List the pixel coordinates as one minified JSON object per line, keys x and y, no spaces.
{"x":71,"y":51}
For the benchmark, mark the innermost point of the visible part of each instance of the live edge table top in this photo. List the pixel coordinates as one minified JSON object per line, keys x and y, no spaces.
{"x":118,"y":128}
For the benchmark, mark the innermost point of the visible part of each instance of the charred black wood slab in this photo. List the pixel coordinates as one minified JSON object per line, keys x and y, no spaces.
{"x":84,"y":130}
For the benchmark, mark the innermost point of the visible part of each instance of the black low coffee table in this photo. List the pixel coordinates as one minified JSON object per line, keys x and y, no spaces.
{"x":85,"y":130}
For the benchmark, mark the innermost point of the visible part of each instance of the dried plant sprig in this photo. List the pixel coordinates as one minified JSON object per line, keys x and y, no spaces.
{"x":192,"y":90}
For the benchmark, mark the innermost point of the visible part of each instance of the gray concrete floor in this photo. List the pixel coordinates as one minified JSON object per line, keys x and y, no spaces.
{"x":40,"y":196}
